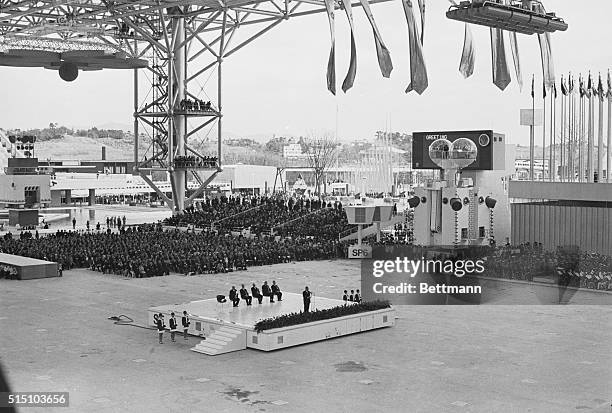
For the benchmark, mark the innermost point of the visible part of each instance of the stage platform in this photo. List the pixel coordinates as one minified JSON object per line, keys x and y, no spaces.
{"x":29,"y":268}
{"x":227,"y":328}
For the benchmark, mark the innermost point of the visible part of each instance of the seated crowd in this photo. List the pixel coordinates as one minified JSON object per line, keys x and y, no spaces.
{"x":147,"y":251}
{"x":566,"y":267}
{"x":301,"y":217}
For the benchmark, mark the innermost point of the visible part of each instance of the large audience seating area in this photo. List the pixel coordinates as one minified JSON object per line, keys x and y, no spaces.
{"x":566,"y":266}
{"x":148,"y":250}
{"x":285,"y":217}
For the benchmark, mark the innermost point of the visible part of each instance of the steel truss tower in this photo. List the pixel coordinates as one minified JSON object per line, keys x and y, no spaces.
{"x":186,"y":43}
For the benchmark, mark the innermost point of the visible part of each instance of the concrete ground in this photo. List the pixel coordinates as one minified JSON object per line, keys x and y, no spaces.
{"x":494,"y":358}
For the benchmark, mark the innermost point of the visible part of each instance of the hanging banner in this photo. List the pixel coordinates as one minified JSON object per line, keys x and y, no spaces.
{"x":422,"y":10}
{"x":418,"y":71}
{"x":382,"y":53}
{"x":331,"y":63}
{"x":548,"y":68}
{"x":516,"y":59}
{"x":352,"y":71}
{"x":468,"y":57}
{"x":501,"y":73}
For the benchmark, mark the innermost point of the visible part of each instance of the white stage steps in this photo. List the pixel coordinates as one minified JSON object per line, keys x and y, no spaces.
{"x":222,"y":340}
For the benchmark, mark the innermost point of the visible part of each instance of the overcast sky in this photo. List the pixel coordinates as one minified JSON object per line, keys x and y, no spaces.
{"x":277,"y":83}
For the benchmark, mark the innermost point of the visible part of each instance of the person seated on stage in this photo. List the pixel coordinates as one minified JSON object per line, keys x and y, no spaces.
{"x":352,"y":296}
{"x":345,"y":297}
{"x":233,"y":295}
{"x":256,"y":294}
{"x":276,"y":291}
{"x":265,"y":290}
{"x":357,"y":297}
{"x":244,"y":294}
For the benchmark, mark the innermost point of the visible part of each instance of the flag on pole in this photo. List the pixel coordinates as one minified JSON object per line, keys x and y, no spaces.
{"x":418,"y":71}
{"x":352,"y":70}
{"x":516,"y":59}
{"x":600,"y":89}
{"x":382,"y":53}
{"x":589,"y":89}
{"x":555,"y":90}
{"x":468,"y":56}
{"x":563,"y":86}
{"x":331,"y":63}
{"x":533,"y":86}
{"x":581,"y":87}
{"x":543,"y":89}
{"x":609,"y":94}
{"x":570,"y":84}
{"x":501,"y":73}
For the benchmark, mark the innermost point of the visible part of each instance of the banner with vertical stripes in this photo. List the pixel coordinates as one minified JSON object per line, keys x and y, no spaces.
{"x":516,"y":59}
{"x":418,"y":71}
{"x":352,"y":70}
{"x":331,"y":63}
{"x":548,"y":68}
{"x":501,"y":72}
{"x":468,"y":56}
{"x":382,"y":53}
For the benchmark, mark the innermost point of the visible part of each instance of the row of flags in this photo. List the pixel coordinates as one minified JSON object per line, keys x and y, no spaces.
{"x":586,"y":87}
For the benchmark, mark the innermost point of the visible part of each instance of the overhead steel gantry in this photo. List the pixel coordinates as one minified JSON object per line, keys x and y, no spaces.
{"x":185,"y":42}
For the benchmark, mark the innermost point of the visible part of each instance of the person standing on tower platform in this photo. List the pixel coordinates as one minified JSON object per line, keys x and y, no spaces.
{"x":306,"y":294}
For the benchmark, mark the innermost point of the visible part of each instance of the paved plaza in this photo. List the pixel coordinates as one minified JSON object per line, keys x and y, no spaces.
{"x":494,"y":358}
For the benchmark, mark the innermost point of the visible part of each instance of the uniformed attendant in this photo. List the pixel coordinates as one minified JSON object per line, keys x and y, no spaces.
{"x":345,"y":297}
{"x":306,"y":294}
{"x":172,"y":327}
{"x":352,"y":296}
{"x":160,"y":327}
{"x":357,"y":297}
{"x":185,"y":322}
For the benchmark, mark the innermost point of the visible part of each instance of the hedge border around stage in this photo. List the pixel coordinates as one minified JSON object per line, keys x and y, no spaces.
{"x":287,"y":320}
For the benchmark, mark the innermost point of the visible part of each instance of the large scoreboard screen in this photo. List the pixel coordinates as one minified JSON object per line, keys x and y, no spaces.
{"x":491,"y":148}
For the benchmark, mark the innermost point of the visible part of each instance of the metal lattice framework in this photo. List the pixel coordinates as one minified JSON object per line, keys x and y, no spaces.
{"x":185,"y":42}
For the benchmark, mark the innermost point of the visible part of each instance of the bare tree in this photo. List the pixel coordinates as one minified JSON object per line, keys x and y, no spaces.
{"x":321,"y":154}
